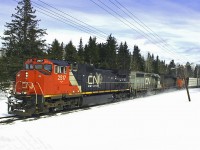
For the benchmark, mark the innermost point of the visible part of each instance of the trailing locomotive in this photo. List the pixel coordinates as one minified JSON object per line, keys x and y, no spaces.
{"x":49,"y":85}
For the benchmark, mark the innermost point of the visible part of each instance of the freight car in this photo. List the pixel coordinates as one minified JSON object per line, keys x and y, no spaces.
{"x":50,"y":85}
{"x":194,"y":82}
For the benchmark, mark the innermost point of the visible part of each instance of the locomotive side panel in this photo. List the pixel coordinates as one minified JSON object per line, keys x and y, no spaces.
{"x":98,"y":80}
{"x":168,"y":81}
{"x":144,"y":81}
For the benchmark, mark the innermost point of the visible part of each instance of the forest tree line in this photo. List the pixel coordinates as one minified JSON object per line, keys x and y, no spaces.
{"x":23,"y":39}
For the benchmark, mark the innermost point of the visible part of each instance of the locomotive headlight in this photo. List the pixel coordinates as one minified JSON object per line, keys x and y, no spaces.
{"x":24,"y":93}
{"x":18,"y":75}
{"x":26,"y":75}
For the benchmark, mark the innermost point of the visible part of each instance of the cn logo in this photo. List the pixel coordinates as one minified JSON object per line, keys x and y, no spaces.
{"x":95,"y":80}
{"x":147,"y":81}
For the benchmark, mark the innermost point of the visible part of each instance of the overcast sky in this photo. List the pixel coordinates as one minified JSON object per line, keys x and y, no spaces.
{"x":167,"y":28}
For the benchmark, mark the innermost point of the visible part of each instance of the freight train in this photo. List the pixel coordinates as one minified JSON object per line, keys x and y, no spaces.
{"x":49,"y":85}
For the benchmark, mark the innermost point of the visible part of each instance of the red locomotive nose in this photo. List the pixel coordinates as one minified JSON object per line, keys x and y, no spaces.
{"x":23,"y":84}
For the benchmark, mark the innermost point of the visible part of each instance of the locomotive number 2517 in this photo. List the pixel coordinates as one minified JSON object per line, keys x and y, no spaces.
{"x":61,"y":77}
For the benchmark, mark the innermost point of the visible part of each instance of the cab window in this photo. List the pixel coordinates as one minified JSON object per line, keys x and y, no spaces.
{"x":38,"y":67}
{"x":29,"y":66}
{"x":60,"y":69}
{"x":48,"y":67}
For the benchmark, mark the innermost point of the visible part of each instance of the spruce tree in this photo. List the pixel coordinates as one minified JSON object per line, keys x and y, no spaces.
{"x":157,"y":65}
{"x":102,"y":55}
{"x":138,"y":63}
{"x":172,"y":70}
{"x":92,"y":52}
{"x":197,"y":71}
{"x":81,"y":52}
{"x":149,"y":63}
{"x":163,"y":67}
{"x":111,"y":52}
{"x":189,"y":70}
{"x":71,"y":53}
{"x":123,"y":59}
{"x":23,"y":38}
{"x":127,"y":57}
{"x":56,"y":50}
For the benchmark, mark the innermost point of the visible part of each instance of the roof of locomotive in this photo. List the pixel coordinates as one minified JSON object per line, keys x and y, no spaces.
{"x":60,"y":62}
{"x":145,"y":73}
{"x":56,"y":62}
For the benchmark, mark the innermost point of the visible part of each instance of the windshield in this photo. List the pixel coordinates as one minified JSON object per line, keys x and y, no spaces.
{"x":38,"y":67}
{"x":46,"y":67}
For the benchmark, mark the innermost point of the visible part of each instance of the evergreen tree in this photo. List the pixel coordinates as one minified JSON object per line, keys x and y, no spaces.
{"x":142,"y":65}
{"x":3,"y":73}
{"x":138,"y":63}
{"x":70,"y":52}
{"x":22,"y":38}
{"x":9,"y":66}
{"x":180,"y":71}
{"x":62,"y":50}
{"x":1,"y":52}
{"x":102,"y":55}
{"x":149,"y":63}
{"x":123,"y":59}
{"x":56,"y":50}
{"x":92,"y":52}
{"x":172,"y":68}
{"x":197,"y":71}
{"x":81,"y":57}
{"x":189,"y":72}
{"x":163,"y":68}
{"x":153,"y":63}
{"x":111,"y":52}
{"x":157,"y":65}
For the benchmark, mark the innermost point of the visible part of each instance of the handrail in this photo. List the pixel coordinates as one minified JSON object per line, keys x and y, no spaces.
{"x":36,"y":100}
{"x":40,"y":90}
{"x":16,"y":86}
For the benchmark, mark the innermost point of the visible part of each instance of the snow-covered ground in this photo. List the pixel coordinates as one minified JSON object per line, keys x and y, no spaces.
{"x":161,"y":122}
{"x":3,"y":104}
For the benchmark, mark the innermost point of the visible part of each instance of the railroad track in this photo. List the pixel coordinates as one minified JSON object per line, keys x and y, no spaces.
{"x":8,"y":119}
{"x":11,"y":119}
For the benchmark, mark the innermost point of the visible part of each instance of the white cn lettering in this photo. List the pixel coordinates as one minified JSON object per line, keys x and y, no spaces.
{"x":97,"y":79}
{"x":147,"y":81}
